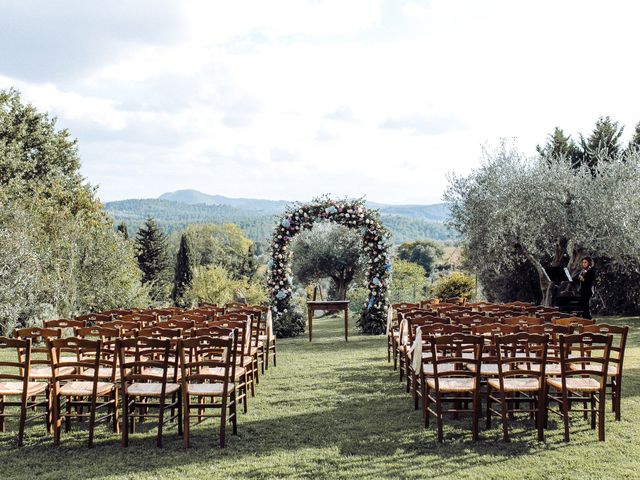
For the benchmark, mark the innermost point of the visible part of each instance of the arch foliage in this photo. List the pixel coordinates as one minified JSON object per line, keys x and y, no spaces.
{"x":375,"y":243}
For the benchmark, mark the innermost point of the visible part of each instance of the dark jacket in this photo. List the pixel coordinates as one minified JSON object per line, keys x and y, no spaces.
{"x":586,"y":283}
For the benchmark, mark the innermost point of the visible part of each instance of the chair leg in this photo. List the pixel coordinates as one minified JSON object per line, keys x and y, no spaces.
{"x":180,"y":407}
{"x":186,"y":428}
{"x":488,"y":407}
{"x":593,"y":411}
{"x":160,"y":422}
{"x":57,"y":424}
{"x":234,"y":412}
{"x":505,"y":418}
{"x":23,"y":421}
{"x":475,"y":405}
{"x":601,"y":416}
{"x":124,"y":430}
{"x":116,"y":408}
{"x":565,"y":414}
{"x":92,"y":420}
{"x":617,"y":390}
{"x":223,"y":421}
{"x":439,"y":417}
{"x":1,"y":413}
{"x":540,"y":415}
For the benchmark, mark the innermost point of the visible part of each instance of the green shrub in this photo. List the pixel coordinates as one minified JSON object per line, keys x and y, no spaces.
{"x":455,"y":284}
{"x":213,"y":284}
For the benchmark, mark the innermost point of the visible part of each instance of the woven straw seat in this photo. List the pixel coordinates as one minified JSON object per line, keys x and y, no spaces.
{"x":612,"y":370}
{"x":576,"y":384}
{"x":15,"y":388}
{"x":159,"y":372}
{"x":44,"y":373}
{"x":151,"y":389}
{"x":453,"y":385}
{"x":487,"y":369}
{"x":552,"y":369}
{"x":83,"y":389}
{"x":516,"y":384}
{"x":214,"y":389}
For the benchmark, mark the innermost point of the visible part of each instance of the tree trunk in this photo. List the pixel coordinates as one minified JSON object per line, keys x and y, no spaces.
{"x":546,"y":286}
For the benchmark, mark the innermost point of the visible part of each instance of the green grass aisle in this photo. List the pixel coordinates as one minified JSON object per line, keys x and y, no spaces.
{"x":335,"y":409}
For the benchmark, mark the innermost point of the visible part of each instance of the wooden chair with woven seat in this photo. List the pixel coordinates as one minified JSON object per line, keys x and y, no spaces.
{"x":243,"y":360}
{"x":257,"y":345}
{"x":40,"y":360}
{"x":15,"y":381}
{"x":142,"y":391}
{"x":108,"y":337}
{"x":517,"y":382}
{"x":616,"y":359}
{"x":419,"y":367}
{"x":583,"y":378}
{"x":451,"y":380}
{"x":269,"y":337}
{"x":208,"y":372}
{"x":72,"y":392}
{"x":553,"y":332}
{"x":575,"y":321}
{"x":249,"y":357}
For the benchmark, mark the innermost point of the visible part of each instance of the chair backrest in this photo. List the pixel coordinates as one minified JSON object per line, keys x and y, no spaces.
{"x":521,"y":354}
{"x":618,"y":341}
{"x":448,"y":359}
{"x":185,"y":325}
{"x":95,"y":318}
{"x":208,"y":360}
{"x":39,"y":337}
{"x":572,"y":321}
{"x":136,"y":355}
{"x":124,"y":324}
{"x":522,"y":320}
{"x":142,"y":319}
{"x":107,"y":335}
{"x":585,"y":354}
{"x":438,"y":329}
{"x":160,"y":332}
{"x":550,"y":329}
{"x":243,"y":326}
{"x":490,"y":329}
{"x":257,"y":325}
{"x":86,"y":362}
{"x":63,"y":323}
{"x":18,"y":369}
{"x":229,"y":307}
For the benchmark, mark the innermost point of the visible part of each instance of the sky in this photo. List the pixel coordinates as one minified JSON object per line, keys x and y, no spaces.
{"x":292,"y":99}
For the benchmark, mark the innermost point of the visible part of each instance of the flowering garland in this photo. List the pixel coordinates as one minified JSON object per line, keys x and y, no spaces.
{"x":353,"y":214}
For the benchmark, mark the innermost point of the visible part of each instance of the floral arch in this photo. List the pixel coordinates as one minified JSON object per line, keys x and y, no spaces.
{"x":375,"y":242}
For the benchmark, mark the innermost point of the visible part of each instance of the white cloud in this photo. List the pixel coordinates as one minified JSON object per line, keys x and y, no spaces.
{"x":290,"y":99}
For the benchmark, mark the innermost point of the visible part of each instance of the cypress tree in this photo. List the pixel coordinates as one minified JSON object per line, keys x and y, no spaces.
{"x":122,"y":228}
{"x":183,"y":273}
{"x":153,"y":258}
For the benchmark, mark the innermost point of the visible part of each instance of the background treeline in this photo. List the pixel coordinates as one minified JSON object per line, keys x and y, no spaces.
{"x":406,"y":225}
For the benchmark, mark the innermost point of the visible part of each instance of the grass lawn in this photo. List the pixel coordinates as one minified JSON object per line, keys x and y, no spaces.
{"x":337,"y":410}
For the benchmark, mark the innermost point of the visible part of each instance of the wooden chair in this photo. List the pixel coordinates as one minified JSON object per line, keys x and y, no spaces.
{"x":517,"y":382}
{"x":15,"y":382}
{"x":141,"y":391}
{"x":142,"y":319}
{"x":62,"y":324}
{"x":522,"y":320}
{"x":208,"y":371}
{"x":82,"y":387}
{"x":616,"y":359}
{"x":40,"y":360}
{"x":553,"y":332}
{"x":451,"y":380}
{"x":583,"y":378}
{"x":250,"y":355}
{"x":108,"y":337}
{"x":576,"y":321}
{"x":95,"y":318}
{"x":243,"y":361}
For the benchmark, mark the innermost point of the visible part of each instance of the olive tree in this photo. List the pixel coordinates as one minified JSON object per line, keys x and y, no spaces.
{"x":328,"y":251}
{"x":547,"y":212}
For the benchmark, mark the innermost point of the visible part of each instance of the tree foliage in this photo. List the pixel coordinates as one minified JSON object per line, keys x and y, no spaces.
{"x":153,"y":259}
{"x":328,"y":251}
{"x":408,"y":282}
{"x":59,"y":255}
{"x":454,"y":284}
{"x":423,"y":252}
{"x":213,"y":284}
{"x":515,"y":208}
{"x":183,"y":275}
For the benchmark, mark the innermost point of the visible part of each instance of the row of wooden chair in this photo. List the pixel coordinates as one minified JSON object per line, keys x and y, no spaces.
{"x":143,"y":370}
{"x":47,"y":370}
{"x":555,"y":370}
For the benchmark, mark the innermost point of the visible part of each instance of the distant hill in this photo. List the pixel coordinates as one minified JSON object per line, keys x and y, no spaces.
{"x":173,"y":211}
